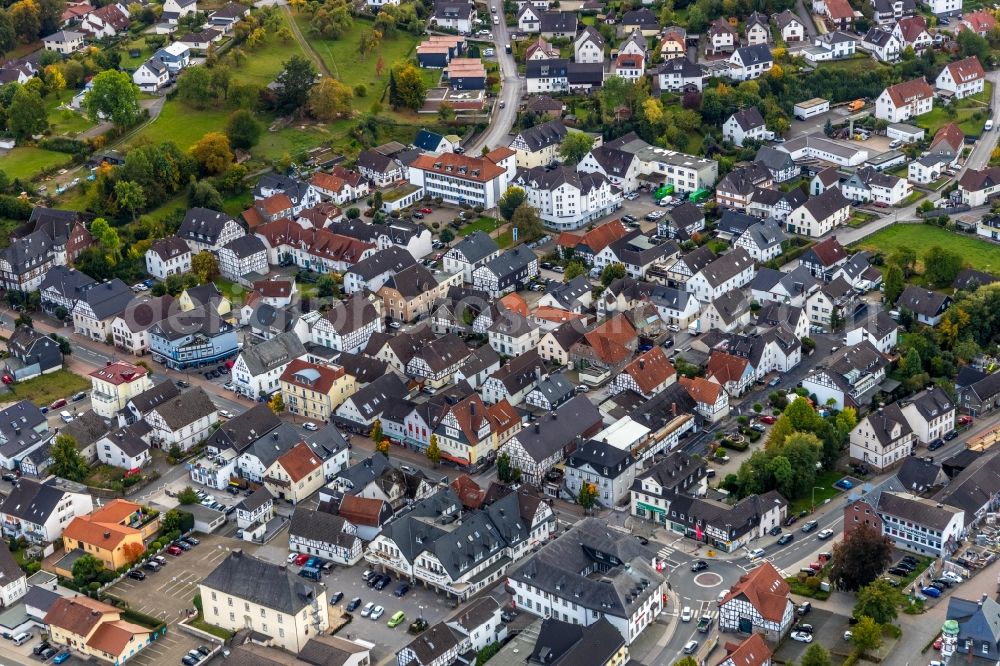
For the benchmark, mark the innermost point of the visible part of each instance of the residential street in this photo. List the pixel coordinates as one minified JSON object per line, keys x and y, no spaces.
{"x":511,"y":92}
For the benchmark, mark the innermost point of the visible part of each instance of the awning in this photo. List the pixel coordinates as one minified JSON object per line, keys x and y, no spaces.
{"x":460,"y":461}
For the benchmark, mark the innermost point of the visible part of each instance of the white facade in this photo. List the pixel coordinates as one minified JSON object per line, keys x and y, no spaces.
{"x":911,"y":107}
{"x":567,"y":206}
{"x":962,"y":79}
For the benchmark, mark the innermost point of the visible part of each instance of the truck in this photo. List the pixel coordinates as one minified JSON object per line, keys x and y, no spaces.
{"x":704,"y":624}
{"x":856,"y":105}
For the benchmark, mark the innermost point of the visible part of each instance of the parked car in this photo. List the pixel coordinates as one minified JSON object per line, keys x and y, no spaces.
{"x":898,"y":571}
{"x":61,"y":657}
{"x":135,"y":574}
{"x":376,"y":613}
{"x":352,"y":606}
{"x":335,"y":598}
{"x":791,"y":520}
{"x":775,"y":531}
{"x":367,"y":610}
{"x":931,"y":592}
{"x":47,"y":654}
{"x":935,"y":445}
{"x":844,"y":484}
{"x":37,"y":650}
{"x":301,"y":559}
{"x":768,"y":419}
{"x":309,"y":425}
{"x":191,"y":540}
{"x":802,"y":637}
{"x":397,"y":619}
{"x":225,"y":413}
{"x":173,"y":549}
{"x":804,"y":608}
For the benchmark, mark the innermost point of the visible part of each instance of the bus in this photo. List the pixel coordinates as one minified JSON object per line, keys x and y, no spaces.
{"x":699,"y":195}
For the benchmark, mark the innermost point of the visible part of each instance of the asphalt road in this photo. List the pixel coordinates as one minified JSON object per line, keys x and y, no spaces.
{"x":501,"y":120}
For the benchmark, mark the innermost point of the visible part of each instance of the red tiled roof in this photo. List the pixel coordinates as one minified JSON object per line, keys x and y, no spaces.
{"x":274,"y":288}
{"x":77,"y":615}
{"x":963,"y":71}
{"x":352,"y":178}
{"x":554,"y":315}
{"x":839,"y":10}
{"x":829,"y":251}
{"x":299,"y":461}
{"x":751,"y":652}
{"x":650,"y":370}
{"x":119,"y":372}
{"x":326,"y":375}
{"x":459,"y":166}
{"x":980,"y":21}
{"x":764,"y":589}
{"x":951,"y":134}
{"x":515,"y":303}
{"x":361,"y":510}
{"x":911,"y":27}
{"x":468,"y":492}
{"x":904,"y":93}
{"x":611,"y":340}
{"x":276,"y":203}
{"x":328,"y":182}
{"x":498,"y":154}
{"x":726,"y":367}
{"x":701,"y":390}
{"x":596,"y":239}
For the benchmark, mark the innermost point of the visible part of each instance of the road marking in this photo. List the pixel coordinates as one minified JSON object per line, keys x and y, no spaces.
{"x":665,"y":552}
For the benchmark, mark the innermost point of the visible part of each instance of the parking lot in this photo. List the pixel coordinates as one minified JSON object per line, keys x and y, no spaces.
{"x":828,"y":631}
{"x":168,"y":594}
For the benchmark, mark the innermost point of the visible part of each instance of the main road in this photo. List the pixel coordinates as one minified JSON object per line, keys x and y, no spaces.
{"x":505,"y":109}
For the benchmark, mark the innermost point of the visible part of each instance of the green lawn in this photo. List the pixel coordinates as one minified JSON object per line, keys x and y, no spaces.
{"x":68,"y":122}
{"x":264,"y":62}
{"x":26,"y":161}
{"x":482,"y":223}
{"x":978,"y":254}
{"x":183,"y":125}
{"x":46,"y":389}
{"x":824,"y":490}
{"x":938,"y":117}
{"x":235,"y":204}
{"x":344,"y":62}
{"x":859,"y":219}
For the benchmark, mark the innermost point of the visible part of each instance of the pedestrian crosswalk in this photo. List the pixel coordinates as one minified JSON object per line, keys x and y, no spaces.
{"x":665,"y":552}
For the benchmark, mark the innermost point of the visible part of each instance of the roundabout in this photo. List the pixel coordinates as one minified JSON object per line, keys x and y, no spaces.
{"x":708,"y":579}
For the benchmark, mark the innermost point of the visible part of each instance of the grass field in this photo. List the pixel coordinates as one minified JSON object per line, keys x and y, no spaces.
{"x":824,"y":490}
{"x":938,"y":117}
{"x":342,"y":58}
{"x":263,"y":63}
{"x":68,"y":123}
{"x":978,"y":254}
{"x":46,"y":389}
{"x":183,"y":125}
{"x":482,"y":223}
{"x":26,"y":161}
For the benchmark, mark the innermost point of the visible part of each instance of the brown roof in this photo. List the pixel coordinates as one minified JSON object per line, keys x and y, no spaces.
{"x":650,"y":370}
{"x":470,"y":414}
{"x":720,"y":25}
{"x":951,"y":134}
{"x":299,"y":462}
{"x":274,"y":288}
{"x":119,"y":372}
{"x":459,"y":166}
{"x":112,"y":15}
{"x":764,"y":589}
{"x":980,"y":21}
{"x":554,"y":315}
{"x":77,"y":615}
{"x":114,"y":637}
{"x":326,"y":375}
{"x":597,"y":238}
{"x":969,"y":69}
{"x":498,"y":154}
{"x":361,"y":510}
{"x":829,"y":251}
{"x":328,"y":182}
{"x":275,"y":203}
{"x":726,"y":367}
{"x":611,"y":339}
{"x":515,"y":303}
{"x":701,"y":390}
{"x":839,"y":9}
{"x":468,"y":492}
{"x":904,"y":93}
{"x":751,"y":652}
{"x":351,"y":177}
{"x":503,"y":416}
{"x":911,"y":27}
{"x":973,"y":180}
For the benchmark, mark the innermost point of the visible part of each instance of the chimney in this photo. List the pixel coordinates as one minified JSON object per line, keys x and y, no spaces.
{"x":642,"y":364}
{"x":107,"y":535}
{"x":673,"y":408}
{"x":472,"y":409}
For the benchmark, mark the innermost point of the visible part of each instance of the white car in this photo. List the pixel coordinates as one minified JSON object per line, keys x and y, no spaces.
{"x":225,"y":413}
{"x":687,"y":614}
{"x":496,"y":21}
{"x":802,"y":637}
{"x":376,"y":613}
{"x":690,"y":647}
{"x":488,"y":53}
{"x":824,"y":535}
{"x":309,"y":425}
{"x":291,"y":557}
{"x":952,"y":576}
{"x":367,"y":610}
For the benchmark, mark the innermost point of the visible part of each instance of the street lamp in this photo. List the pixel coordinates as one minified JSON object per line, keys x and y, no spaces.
{"x":815,"y":488}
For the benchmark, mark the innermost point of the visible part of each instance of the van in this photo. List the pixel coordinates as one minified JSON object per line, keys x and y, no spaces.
{"x":22,"y":638}
{"x":988,"y":126}
{"x":895,"y":143}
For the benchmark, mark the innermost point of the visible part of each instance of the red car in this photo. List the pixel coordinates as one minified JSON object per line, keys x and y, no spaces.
{"x":768,"y":419}
{"x":301,"y":559}
{"x":815,"y":566}
{"x":174,"y":550}
{"x":426,"y":211}
{"x":965,"y":420}
{"x":61,"y":402}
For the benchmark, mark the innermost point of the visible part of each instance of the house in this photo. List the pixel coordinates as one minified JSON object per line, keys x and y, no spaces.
{"x":200,"y":40}
{"x":975,"y":633}
{"x":64,"y":42}
{"x":750,"y":62}
{"x":39,"y":512}
{"x":673,"y":42}
{"x":850,"y":377}
{"x":824,"y":258}
{"x":97,"y":308}
{"x":373,"y":272}
{"x":168,"y":256}
{"x":258,"y":368}
{"x":890,"y":11}
{"x":711,"y":400}
{"x":928,"y":306}
{"x":772,"y":205}
{"x":722,"y":37}
{"x":470,"y":253}
{"x":555,"y":25}
{"x":324,"y":535}
{"x":315,"y":391}
{"x":610,"y":470}
{"x":868,"y":185}
{"x":678,"y":74}
{"x":736,"y":189}
{"x":980,"y":22}
{"x":818,"y":147}
{"x":588,"y":47}
{"x":114,"y":385}
{"x":820,"y":214}
{"x":192,"y":338}
{"x":538,"y":145}
{"x":763,"y":241}
{"x":465,"y":74}
{"x":181,"y":7}
{"x":647,"y":375}
{"x":620,"y":597}
{"x":113,"y":533}
{"x":682,"y":222}
{"x":758,"y":30}
{"x":637,"y":253}
{"x":228,"y":15}
{"x":528,"y":18}
{"x":62,"y":288}
{"x":107,"y":21}
{"x":174,"y":56}
{"x":295,"y":474}
{"x":905,"y":101}
{"x":436,"y":362}
{"x":243,"y":259}
{"x":31,"y":354}
{"x":790,"y":26}
{"x":257,"y":509}
{"x":205,"y":229}
{"x":182,"y":421}
{"x":758,"y":603}
{"x":643,"y":20}
{"x":745,"y":124}
{"x":930,"y":413}
{"x":976,"y":187}
{"x":25,"y":262}
{"x":881,"y":332}
{"x":550,"y":392}
{"x":920,"y":525}
{"x":380,"y":165}
{"x":264,"y":592}
{"x":752,"y":651}
{"x":510,"y":271}
{"x":554,"y":346}
{"x":568,"y":199}
{"x":883,"y":44}
{"x":94,"y":629}
{"x":535,"y":449}
{"x":512,"y":334}
{"x":411,"y":293}
{"x":652,"y":490}
{"x":778,"y":162}
{"x":126,"y":448}
{"x":962,"y":78}
{"x":882,"y":439}
{"x":13,"y":581}
{"x":836,"y":45}
{"x":624,"y":159}
{"x":480,"y":180}
{"x":726,"y":273}
{"x":541,"y":50}
{"x":911,"y":31}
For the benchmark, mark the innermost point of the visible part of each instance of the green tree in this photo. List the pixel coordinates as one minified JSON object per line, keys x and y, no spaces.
{"x":26,"y":115}
{"x":433,"y":452}
{"x":802,"y":416}
{"x":510,"y":201}
{"x":107,"y":237}
{"x":973,"y":45}
{"x":612,"y":272}
{"x":912,"y":364}
{"x":332,"y":19}
{"x":410,"y":89}
{"x":66,"y":459}
{"x":327,"y":287}
{"x":904,"y":257}
{"x":329,"y":100}
{"x":8,"y":35}
{"x":689,"y":660}
{"x":895,"y":282}
{"x":503,"y":467}
{"x":176,"y":520}
{"x":188,"y":496}
{"x":941,"y":266}
{"x":115,"y":97}
{"x":130,"y":196}
{"x":87,"y":569}
{"x":212,"y":153}
{"x":574,"y":146}
{"x":860,"y":558}
{"x":376,"y":433}
{"x":294,"y":83}
{"x":878,"y":600}
{"x":204,"y":195}
{"x":194,"y":87}
{"x":243,"y":129}
{"x":587,"y":495}
{"x":867,"y":634}
{"x":205,"y":266}
{"x":574,"y":269}
{"x":527,"y":222}
{"x":446,"y":235}
{"x":815,"y":655}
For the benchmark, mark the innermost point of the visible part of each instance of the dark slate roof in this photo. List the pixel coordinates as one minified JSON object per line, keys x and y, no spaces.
{"x":608,"y":461}
{"x":585,"y":73}
{"x":923,"y":301}
{"x":108,"y":298}
{"x":969,"y":278}
{"x":680,"y":66}
{"x":155,"y":395}
{"x":17,"y":427}
{"x":86,"y":429}
{"x":556,"y":389}
{"x":186,"y":408}
{"x":553,"y":431}
{"x":270,"y":354}
{"x":9,"y":569}
{"x":246,"y":246}
{"x":320,"y":526}
{"x":554,"y":68}
{"x":257,"y":499}
{"x":511,"y":261}
{"x":32,"y":501}
{"x":756,"y":54}
{"x":748,"y":118}
{"x":978,"y":620}
{"x":391,"y":259}
{"x":370,"y":399}
{"x":364,"y":369}
{"x":69,"y":282}
{"x":563,"y":644}
{"x":476,"y":246}
{"x":427,"y":140}
{"x":558,"y":22}
{"x":924,"y":513}
{"x":203,"y":225}
{"x":270,"y":585}
{"x":975,"y":487}
{"x":544,"y":135}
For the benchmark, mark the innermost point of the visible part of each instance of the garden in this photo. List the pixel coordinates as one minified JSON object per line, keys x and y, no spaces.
{"x":977,"y":254}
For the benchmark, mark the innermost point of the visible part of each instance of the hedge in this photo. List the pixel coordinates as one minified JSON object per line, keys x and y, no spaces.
{"x":62,"y":144}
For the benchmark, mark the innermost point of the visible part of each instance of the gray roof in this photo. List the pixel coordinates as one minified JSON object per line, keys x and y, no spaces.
{"x":392,"y":259}
{"x":885,"y":420}
{"x":975,"y":487}
{"x":563,"y":644}
{"x":32,"y":501}
{"x":681,"y":66}
{"x":203,"y":225}
{"x":279,"y":351}
{"x":438,"y":640}
{"x":978,"y":620}
{"x":544,"y":135}
{"x":270,"y":585}
{"x":748,"y":118}
{"x":320,"y":526}
{"x":727,"y":266}
{"x":932,"y":403}
{"x":68,"y":282}
{"x":774,"y":159}
{"x":606,"y":460}
{"x":826,"y":204}
{"x":556,"y":389}
{"x":244,"y":429}
{"x":369,"y":400}
{"x":476,"y":246}
{"x":558,"y":22}
{"x":674,"y":474}
{"x":553,"y":431}
{"x":922,"y":512}
{"x":547,"y":178}
{"x":9,"y":569}
{"x":85,"y":428}
{"x":270,"y":446}
{"x":756,"y":54}
{"x":443,"y":352}
{"x":108,"y":298}
{"x":923,"y":301}
{"x":186,"y":408}
{"x":257,"y":499}
{"x":766,"y":234}
{"x":170,"y":247}
{"x":245,"y":246}
{"x":155,"y":395}
{"x":17,"y":428}
{"x":511,"y":261}
{"x":627,"y":579}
